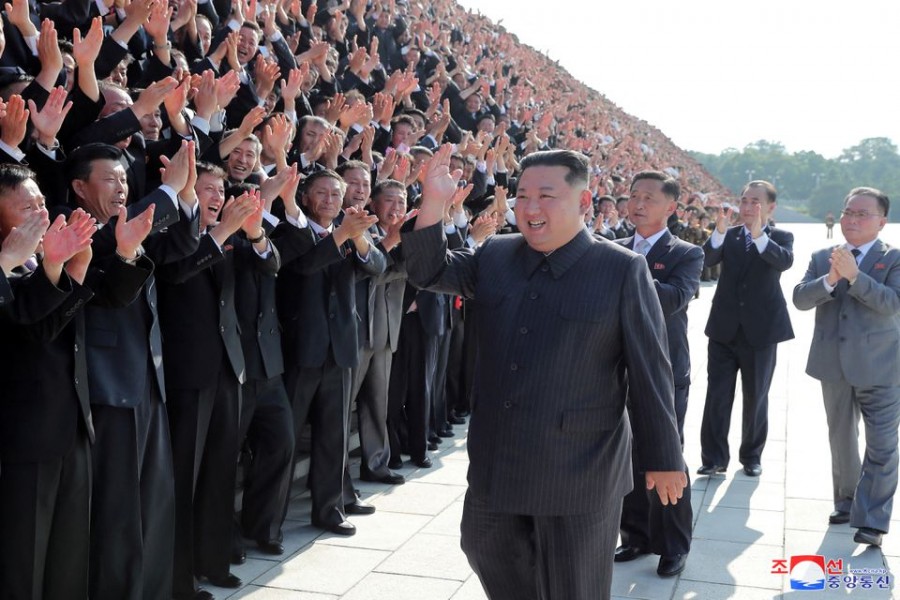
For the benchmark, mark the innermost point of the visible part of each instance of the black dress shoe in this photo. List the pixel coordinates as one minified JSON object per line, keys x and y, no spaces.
{"x":839,"y":517}
{"x":424,"y":462}
{"x":436,"y":439}
{"x":867,"y":535}
{"x":626,"y":553}
{"x":358,"y":507}
{"x":711,"y":469}
{"x":395,"y":463}
{"x":230,"y":581}
{"x":273,"y":547}
{"x":446,"y":433}
{"x":432,"y":446}
{"x":390,"y":478}
{"x":753,"y":470}
{"x":456,"y":420}
{"x":342,"y":528}
{"x":238,"y":557}
{"x":203,"y":595}
{"x":669,"y":566}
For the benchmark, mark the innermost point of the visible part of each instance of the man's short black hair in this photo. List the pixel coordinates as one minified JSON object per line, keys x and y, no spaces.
{"x":577,"y":164}
{"x":388,"y":184}
{"x":80,"y":161}
{"x":670,"y":185}
{"x":605,"y":198}
{"x":884,"y":202}
{"x":771,"y":192}
{"x":324,"y":174}
{"x":352,"y":165}
{"x":12,"y":176}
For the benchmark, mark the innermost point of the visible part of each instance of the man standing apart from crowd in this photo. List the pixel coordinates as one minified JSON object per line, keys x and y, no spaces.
{"x":675,"y":265}
{"x":747,"y":320}
{"x":561,"y":317}
{"x":855,"y":289}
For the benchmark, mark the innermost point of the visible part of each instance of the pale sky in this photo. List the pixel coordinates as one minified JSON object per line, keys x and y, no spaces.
{"x":714,"y":74}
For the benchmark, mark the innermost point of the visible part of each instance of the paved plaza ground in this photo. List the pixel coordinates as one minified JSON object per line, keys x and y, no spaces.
{"x":409,"y":549}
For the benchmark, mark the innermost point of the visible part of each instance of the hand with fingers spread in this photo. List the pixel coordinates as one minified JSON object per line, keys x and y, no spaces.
{"x":22,"y":242}
{"x":252,"y":225}
{"x":233,"y":215}
{"x":388,"y":165}
{"x":439,"y":186}
{"x":354,"y":226}
{"x":669,"y":485}
{"x":150,"y":99}
{"x":334,"y":107}
{"x":131,"y":233}
{"x":266,"y":73}
{"x":19,"y":14}
{"x":63,"y":240}
{"x":227,"y":87}
{"x":48,"y":121}
{"x":13,"y":124}
{"x":484,"y":226}
{"x":85,"y":50}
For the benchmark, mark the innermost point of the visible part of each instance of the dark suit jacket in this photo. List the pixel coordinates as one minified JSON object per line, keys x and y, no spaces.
{"x":549,"y":434}
{"x":675,"y":266}
{"x":748,"y":295}
{"x":43,"y":372}
{"x":197,"y":312}
{"x":379,"y":303}
{"x":317,"y":301}
{"x":126,"y":343}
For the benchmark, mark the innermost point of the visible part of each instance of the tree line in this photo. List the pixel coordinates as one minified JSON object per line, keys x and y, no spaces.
{"x":807,"y":181}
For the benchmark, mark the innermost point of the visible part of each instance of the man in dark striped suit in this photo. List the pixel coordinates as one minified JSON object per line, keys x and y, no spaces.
{"x":561,"y":317}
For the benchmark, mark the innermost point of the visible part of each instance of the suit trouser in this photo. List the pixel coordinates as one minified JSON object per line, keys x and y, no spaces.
{"x":44,"y":520}
{"x":756,"y":366}
{"x":412,"y":375}
{"x":646,"y":523}
{"x":204,"y":426}
{"x":865,"y":490}
{"x":525,"y":557}
{"x":457,"y":393}
{"x":371,"y":385}
{"x":133,"y":503}
{"x":267,"y":426}
{"x":322,"y":394}
{"x":439,"y":386}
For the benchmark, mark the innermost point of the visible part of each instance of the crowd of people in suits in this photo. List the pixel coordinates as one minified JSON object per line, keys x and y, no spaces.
{"x":201,"y":206}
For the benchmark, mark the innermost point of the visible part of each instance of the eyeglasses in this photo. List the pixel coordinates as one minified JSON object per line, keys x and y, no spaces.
{"x":854,"y":214}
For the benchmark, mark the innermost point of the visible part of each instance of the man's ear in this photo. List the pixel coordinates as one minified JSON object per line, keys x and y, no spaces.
{"x":78,"y":187}
{"x":584,"y":201}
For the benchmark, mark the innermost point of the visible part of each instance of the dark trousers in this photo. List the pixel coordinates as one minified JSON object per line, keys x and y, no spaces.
{"x":525,"y":557}
{"x":756,"y":366}
{"x":44,"y":526}
{"x":267,"y":426}
{"x":412,"y":375}
{"x":646,"y":523}
{"x":322,"y":395}
{"x":457,"y":393}
{"x":133,"y":504}
{"x":439,"y":407}
{"x":371,"y":384}
{"x":204,"y":427}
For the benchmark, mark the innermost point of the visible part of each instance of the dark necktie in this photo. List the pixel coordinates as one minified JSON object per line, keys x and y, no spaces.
{"x":323,"y":235}
{"x":748,"y":240}
{"x":856,"y":252}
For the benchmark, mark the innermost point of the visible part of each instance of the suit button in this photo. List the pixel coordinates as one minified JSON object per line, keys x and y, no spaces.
{"x":533,"y":295}
{"x":545,"y":268}
{"x":76,"y":347}
{"x":260,"y":316}
{"x":331,"y":315}
{"x":259,"y":334}
{"x":740,"y":303}
{"x":333,"y":293}
{"x":507,"y":404}
{"x":272,"y":330}
{"x":221,"y":303}
{"x":523,"y":330}
{"x":843,"y":316}
{"x":841,"y":339}
{"x":514,"y":367}
{"x":222,"y":329}
{"x":76,"y":381}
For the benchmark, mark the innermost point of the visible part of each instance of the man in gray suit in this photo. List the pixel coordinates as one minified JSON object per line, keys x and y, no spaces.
{"x":855,"y":289}
{"x":561,"y":317}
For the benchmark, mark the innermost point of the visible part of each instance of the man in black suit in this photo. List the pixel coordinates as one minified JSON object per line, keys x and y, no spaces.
{"x":204,"y":368}
{"x":379,"y":303}
{"x":133,"y":500}
{"x":747,"y":320}
{"x":46,"y":426}
{"x":675,"y":265}
{"x":317,"y":308}
{"x":562,"y":317}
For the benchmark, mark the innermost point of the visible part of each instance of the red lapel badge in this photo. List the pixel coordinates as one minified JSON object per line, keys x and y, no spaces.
{"x":880,"y":266}
{"x":658,"y":266}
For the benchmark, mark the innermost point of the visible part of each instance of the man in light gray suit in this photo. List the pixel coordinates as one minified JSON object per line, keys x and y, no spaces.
{"x":855,"y":289}
{"x":561,"y":317}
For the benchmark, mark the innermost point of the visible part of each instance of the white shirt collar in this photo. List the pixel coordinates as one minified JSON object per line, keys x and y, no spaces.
{"x":650,"y":240}
{"x":863,"y":250}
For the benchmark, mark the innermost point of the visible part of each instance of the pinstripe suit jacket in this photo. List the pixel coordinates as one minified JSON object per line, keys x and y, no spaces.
{"x":549,"y":434}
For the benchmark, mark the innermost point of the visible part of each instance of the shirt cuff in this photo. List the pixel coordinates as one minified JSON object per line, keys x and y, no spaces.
{"x":828,"y":287}
{"x":265,"y":253}
{"x":233,"y":25}
{"x":450,"y":229}
{"x":460,"y":220}
{"x":470,"y":242}
{"x":200,"y":124}
{"x":716,"y":239}
{"x":190,"y":210}
{"x":170,"y":192}
{"x":511,"y":217}
{"x":32,"y":42}
{"x":48,"y":152}
{"x":362,"y":259}
{"x":270,"y":218}
{"x":761,"y":242}
{"x":101,"y":8}
{"x":300,"y":221}
{"x":13,"y":151}
{"x":275,"y":36}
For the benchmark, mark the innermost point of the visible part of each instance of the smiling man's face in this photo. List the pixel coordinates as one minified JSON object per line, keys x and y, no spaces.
{"x":104,"y":190}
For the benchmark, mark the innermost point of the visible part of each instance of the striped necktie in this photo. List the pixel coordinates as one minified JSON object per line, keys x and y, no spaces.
{"x":643,"y":247}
